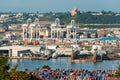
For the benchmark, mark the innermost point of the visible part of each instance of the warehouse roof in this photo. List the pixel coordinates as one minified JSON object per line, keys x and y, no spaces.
{"x":15,"y":47}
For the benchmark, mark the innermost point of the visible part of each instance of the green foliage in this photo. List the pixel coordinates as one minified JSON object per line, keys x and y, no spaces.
{"x":13,"y":74}
{"x":26,"y":69}
{"x":88,"y":18}
{"x":37,"y":68}
{"x":118,"y":72}
{"x":18,"y":75}
{"x":4,"y":68}
{"x":103,"y":17}
{"x":1,"y":35}
{"x":46,"y":66}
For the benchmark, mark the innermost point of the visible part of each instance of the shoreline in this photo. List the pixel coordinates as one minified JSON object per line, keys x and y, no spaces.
{"x":32,"y":58}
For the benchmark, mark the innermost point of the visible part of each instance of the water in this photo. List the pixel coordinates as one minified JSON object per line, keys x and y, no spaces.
{"x":63,"y":62}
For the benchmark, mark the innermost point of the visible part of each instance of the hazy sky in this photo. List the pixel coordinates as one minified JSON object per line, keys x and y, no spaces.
{"x":58,"y":5}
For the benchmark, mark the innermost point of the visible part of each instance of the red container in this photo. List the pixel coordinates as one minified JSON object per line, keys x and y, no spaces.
{"x":67,"y":42}
{"x":25,"y":41}
{"x":34,"y":42}
{"x":48,"y":42}
{"x":56,"y":41}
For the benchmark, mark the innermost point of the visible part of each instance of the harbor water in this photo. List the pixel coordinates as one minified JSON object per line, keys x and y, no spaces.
{"x":63,"y":63}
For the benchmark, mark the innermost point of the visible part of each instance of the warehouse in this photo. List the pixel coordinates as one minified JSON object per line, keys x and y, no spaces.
{"x":14,"y":51}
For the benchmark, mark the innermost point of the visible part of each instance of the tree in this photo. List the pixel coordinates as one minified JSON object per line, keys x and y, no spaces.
{"x":46,"y":66}
{"x":4,"y":75}
{"x":118,"y":72}
{"x":18,"y":75}
{"x":13,"y":74}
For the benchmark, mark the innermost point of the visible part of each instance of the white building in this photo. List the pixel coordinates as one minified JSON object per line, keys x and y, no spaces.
{"x":14,"y":51}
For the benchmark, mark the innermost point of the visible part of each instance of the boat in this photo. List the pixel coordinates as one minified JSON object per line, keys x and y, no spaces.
{"x":44,"y":52}
{"x":55,"y":55}
{"x":94,"y":55}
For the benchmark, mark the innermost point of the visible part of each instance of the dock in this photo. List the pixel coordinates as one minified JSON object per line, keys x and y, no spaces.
{"x":33,"y":58}
{"x":85,"y":58}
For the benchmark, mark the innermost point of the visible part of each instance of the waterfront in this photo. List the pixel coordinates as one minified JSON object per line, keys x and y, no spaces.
{"x":64,"y":63}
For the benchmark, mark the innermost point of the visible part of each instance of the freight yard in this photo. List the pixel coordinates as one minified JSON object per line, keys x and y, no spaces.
{"x":45,"y":40}
{"x":63,"y":46}
{"x":82,"y":51}
{"x":38,"y":42}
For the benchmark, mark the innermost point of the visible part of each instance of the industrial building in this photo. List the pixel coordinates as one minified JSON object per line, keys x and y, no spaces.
{"x":14,"y":51}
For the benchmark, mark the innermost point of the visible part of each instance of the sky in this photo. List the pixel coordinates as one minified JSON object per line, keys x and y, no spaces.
{"x":58,"y":5}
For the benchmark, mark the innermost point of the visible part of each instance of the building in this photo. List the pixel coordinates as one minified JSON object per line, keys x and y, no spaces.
{"x":14,"y":51}
{"x":2,"y":29}
{"x":101,"y":33}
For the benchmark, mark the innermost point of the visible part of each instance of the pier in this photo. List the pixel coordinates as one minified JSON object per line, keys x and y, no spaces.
{"x":32,"y":58}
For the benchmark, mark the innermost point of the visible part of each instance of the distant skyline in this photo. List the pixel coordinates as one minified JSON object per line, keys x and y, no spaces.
{"x":58,"y":5}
